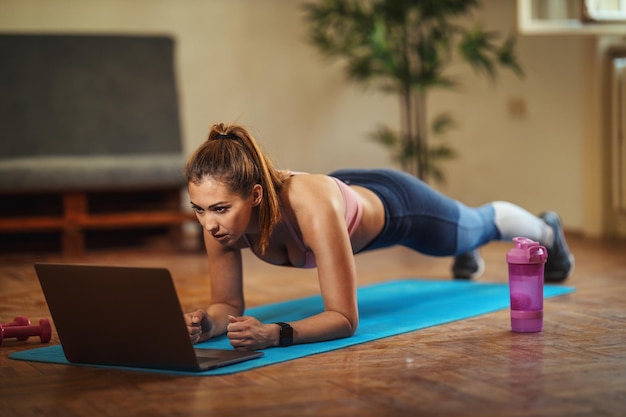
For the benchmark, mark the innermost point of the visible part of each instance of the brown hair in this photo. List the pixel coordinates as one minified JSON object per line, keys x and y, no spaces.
{"x":231,"y":155}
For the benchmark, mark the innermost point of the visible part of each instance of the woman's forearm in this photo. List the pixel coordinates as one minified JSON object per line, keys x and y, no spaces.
{"x":328,"y":325}
{"x":219,"y":312}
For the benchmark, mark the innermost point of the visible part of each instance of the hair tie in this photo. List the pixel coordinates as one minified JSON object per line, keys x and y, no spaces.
{"x":226,"y":136}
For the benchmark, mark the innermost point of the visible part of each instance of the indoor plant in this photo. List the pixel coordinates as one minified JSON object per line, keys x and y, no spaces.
{"x":404,"y":46}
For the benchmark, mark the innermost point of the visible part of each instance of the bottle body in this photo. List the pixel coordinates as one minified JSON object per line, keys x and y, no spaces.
{"x":526,"y":269}
{"x":526,"y":294}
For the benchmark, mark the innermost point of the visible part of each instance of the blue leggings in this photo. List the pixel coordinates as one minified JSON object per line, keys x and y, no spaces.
{"x":421,"y":218}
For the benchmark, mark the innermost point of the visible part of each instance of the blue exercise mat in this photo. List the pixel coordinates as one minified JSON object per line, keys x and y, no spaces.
{"x":386,"y":309}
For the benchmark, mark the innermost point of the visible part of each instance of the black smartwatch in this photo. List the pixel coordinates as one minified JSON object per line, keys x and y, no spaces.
{"x":286,"y":335}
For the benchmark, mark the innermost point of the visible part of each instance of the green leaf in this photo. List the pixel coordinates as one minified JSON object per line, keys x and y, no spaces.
{"x":475,"y":48}
{"x":443,"y":123}
{"x":385,"y":136}
{"x":507,"y":58}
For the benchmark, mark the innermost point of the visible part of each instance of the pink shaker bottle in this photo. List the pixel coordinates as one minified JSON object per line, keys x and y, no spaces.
{"x":526,"y":265}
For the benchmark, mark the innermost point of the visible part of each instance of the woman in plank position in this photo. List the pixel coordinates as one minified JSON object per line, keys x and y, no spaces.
{"x":307,"y":220}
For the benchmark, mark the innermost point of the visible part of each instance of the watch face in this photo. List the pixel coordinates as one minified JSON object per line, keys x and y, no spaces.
{"x":286,"y":334}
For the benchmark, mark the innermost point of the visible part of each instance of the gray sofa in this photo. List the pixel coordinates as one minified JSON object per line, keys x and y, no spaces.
{"x":86,"y":115}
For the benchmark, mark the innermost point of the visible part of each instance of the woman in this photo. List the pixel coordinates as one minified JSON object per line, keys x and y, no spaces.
{"x":306,"y":220}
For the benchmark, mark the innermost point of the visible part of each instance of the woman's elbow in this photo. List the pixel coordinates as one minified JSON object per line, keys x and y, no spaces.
{"x":345,"y":325}
{"x":351,"y":326}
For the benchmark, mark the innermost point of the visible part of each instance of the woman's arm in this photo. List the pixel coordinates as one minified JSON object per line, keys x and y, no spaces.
{"x":226,"y":284}
{"x":315,"y":204}
{"x":319,"y":210}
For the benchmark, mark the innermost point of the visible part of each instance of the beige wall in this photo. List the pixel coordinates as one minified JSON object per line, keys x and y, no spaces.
{"x":247,"y":60}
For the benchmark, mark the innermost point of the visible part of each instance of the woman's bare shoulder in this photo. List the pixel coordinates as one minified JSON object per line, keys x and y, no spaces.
{"x":309,"y":191}
{"x":315,"y":205}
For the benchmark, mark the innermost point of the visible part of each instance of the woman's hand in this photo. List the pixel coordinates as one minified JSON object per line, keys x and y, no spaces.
{"x":199,"y":325}
{"x":248,"y":333}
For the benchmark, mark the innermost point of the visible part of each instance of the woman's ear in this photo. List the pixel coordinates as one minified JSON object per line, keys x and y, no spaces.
{"x":257,"y":195}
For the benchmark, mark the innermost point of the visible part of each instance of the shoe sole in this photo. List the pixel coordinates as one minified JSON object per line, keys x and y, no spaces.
{"x":471,"y":275}
{"x":561,"y":236}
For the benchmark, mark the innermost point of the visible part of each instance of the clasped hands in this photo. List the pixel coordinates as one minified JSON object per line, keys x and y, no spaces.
{"x":245,"y":332}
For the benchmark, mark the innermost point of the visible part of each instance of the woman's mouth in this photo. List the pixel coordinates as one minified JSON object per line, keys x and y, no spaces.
{"x":220,"y":238}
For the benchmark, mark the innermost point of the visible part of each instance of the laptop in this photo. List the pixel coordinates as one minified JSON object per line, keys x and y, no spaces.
{"x":124,"y":316}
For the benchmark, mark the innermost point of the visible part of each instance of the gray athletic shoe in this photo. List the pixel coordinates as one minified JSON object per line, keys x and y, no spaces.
{"x":468,"y":265}
{"x":560,"y":263}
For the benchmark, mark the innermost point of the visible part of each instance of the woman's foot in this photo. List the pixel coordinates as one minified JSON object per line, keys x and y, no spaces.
{"x":559,"y":266}
{"x":468,"y":265}
{"x":560,"y":263}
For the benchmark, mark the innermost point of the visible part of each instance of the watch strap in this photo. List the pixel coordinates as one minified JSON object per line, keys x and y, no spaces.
{"x":286,"y":334}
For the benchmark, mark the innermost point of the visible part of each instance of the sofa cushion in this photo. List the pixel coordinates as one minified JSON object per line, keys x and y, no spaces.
{"x":67,"y":173}
{"x":87,"y":95}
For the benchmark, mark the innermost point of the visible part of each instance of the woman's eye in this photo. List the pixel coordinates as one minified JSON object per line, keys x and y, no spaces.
{"x":197,"y":209}
{"x":220,"y":209}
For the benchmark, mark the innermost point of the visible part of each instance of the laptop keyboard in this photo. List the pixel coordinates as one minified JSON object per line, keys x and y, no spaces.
{"x":204,"y":356}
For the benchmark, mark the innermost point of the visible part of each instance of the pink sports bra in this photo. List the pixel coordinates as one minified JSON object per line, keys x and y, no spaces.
{"x":353,"y":214}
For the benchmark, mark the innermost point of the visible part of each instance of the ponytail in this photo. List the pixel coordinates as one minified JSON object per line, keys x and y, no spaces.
{"x":231,"y":155}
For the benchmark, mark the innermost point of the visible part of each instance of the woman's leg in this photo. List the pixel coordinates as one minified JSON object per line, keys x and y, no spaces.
{"x":421,"y":218}
{"x":513,"y":221}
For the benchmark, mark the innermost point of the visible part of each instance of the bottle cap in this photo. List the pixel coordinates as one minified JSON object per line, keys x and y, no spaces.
{"x":526,"y":251}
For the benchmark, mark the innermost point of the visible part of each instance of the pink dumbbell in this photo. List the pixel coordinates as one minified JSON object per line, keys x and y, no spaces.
{"x":22,"y":330}
{"x":18,"y":321}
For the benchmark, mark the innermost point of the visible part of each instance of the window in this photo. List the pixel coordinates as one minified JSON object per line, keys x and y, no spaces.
{"x":575,"y":17}
{"x":605,"y":10}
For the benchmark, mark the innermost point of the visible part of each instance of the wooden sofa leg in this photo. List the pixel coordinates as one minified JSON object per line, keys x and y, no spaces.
{"x":172,"y":201}
{"x":75,"y":208}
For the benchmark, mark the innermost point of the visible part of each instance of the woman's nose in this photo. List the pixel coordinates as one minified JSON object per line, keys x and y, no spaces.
{"x":210,"y":225}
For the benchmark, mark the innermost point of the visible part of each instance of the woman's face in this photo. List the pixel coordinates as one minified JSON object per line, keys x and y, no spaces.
{"x":224,"y":214}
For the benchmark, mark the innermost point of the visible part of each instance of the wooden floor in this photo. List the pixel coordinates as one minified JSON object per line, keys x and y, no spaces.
{"x":576,"y":367}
